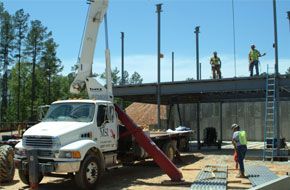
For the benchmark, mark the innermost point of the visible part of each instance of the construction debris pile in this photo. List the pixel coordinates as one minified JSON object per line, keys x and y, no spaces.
{"x":145,"y":114}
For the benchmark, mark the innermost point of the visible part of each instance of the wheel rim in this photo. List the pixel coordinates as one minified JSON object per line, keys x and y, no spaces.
{"x":92,"y":172}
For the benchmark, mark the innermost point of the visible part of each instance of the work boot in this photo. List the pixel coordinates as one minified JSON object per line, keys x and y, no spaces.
{"x":241,"y":175}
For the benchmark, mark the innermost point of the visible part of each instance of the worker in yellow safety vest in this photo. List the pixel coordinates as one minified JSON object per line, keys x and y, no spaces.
{"x":216,"y":63}
{"x":254,"y":60}
{"x":239,"y":141}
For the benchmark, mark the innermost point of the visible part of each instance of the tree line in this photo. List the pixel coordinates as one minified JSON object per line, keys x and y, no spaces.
{"x":30,"y":70}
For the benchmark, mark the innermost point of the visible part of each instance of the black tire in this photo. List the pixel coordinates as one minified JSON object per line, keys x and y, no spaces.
{"x":90,"y":172}
{"x":24,"y":176}
{"x":169,"y":150}
{"x":183,"y":145}
{"x":7,"y":169}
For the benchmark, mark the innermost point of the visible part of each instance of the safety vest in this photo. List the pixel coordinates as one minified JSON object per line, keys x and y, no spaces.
{"x":243,"y":137}
{"x":254,"y":55}
{"x":215,"y":60}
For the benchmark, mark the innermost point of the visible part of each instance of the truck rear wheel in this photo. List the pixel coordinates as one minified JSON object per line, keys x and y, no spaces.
{"x":7,"y":169}
{"x":183,"y":145}
{"x":24,"y":176}
{"x":169,"y":150}
{"x":90,"y":172}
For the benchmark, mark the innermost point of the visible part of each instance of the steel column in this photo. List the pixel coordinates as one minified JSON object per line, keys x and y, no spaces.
{"x":172,"y":59}
{"x":169,"y":115}
{"x":198,"y":124}
{"x":158,"y":11}
{"x":122,"y":57}
{"x":221,"y":122}
{"x":122,"y":65}
{"x":179,"y":115}
{"x":197,"y":52}
{"x":276,"y":75}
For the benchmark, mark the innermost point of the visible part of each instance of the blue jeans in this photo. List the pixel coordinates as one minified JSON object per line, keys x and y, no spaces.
{"x":256,"y":65}
{"x":242,"y":149}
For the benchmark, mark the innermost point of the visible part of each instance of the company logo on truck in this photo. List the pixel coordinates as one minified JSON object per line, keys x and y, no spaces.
{"x":104,"y":132}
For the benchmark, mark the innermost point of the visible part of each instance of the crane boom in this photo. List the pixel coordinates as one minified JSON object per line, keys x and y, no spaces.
{"x":96,"y":14}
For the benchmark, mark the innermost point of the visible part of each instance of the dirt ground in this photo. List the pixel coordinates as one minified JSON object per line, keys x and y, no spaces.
{"x":147,"y":175}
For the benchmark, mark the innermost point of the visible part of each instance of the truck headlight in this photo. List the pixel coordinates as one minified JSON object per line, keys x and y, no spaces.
{"x":70,"y":154}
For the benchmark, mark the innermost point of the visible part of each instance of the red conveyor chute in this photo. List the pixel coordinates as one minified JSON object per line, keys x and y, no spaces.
{"x":149,"y":146}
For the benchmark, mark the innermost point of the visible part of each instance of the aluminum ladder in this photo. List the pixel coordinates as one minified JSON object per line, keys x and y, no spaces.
{"x":270,"y":136}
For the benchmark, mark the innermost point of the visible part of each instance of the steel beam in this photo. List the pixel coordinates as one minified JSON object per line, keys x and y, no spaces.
{"x":227,"y":90}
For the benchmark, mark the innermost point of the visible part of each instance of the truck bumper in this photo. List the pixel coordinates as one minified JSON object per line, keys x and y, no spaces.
{"x":48,"y":167}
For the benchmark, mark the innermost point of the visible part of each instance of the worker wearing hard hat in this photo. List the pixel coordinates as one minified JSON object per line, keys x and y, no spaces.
{"x":239,"y":141}
{"x":254,"y":60}
{"x":216,"y":63}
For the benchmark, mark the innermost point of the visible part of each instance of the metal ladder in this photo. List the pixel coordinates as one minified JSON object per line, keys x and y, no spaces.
{"x":270,"y":137}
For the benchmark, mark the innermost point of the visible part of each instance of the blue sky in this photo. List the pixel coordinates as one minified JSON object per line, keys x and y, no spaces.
{"x":137,"y":18}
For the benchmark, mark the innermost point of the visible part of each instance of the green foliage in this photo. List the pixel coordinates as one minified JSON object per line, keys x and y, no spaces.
{"x":115,"y":76}
{"x":288,"y":72}
{"x":50,"y":66}
{"x":35,"y":77}
{"x":21,"y":27}
{"x":136,"y":78}
{"x":126,"y":78}
{"x":6,"y":48}
{"x":35,"y":44}
{"x":117,"y":80}
{"x":1,"y":7}
{"x":189,"y":79}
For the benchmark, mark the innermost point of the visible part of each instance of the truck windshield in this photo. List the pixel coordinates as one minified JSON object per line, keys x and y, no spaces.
{"x":79,"y":112}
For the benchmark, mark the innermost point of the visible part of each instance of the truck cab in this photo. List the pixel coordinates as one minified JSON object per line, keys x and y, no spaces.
{"x":71,"y":131}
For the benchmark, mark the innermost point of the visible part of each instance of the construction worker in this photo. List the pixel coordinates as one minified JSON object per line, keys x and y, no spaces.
{"x":216,"y":63}
{"x":254,"y":60}
{"x":239,"y":141}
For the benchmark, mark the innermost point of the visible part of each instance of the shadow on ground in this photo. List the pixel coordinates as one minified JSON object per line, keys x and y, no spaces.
{"x":125,"y":177}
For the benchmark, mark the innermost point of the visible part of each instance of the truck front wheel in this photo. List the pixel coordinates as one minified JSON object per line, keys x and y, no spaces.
{"x":24,"y":176}
{"x":90,"y":172}
{"x":7,"y":168}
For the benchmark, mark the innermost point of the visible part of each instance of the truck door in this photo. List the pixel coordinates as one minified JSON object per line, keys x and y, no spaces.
{"x":106,"y":127}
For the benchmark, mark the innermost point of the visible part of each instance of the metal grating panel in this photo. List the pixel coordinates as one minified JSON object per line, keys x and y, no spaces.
{"x":212,"y":177}
{"x":259,"y":174}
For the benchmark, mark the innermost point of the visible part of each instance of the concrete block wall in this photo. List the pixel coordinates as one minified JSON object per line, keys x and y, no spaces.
{"x":249,"y":115}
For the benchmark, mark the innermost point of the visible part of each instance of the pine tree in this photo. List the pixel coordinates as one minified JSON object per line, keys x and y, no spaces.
{"x":6,"y":48}
{"x":126,"y":78}
{"x":136,"y":78}
{"x":21,"y":28}
{"x":50,"y":65}
{"x":114,"y":74}
{"x":34,"y":43}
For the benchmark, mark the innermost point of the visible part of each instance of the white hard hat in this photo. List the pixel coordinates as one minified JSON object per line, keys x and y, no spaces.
{"x":234,"y":126}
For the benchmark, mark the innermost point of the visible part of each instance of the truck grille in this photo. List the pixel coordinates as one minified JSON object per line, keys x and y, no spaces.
{"x":39,"y":141}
